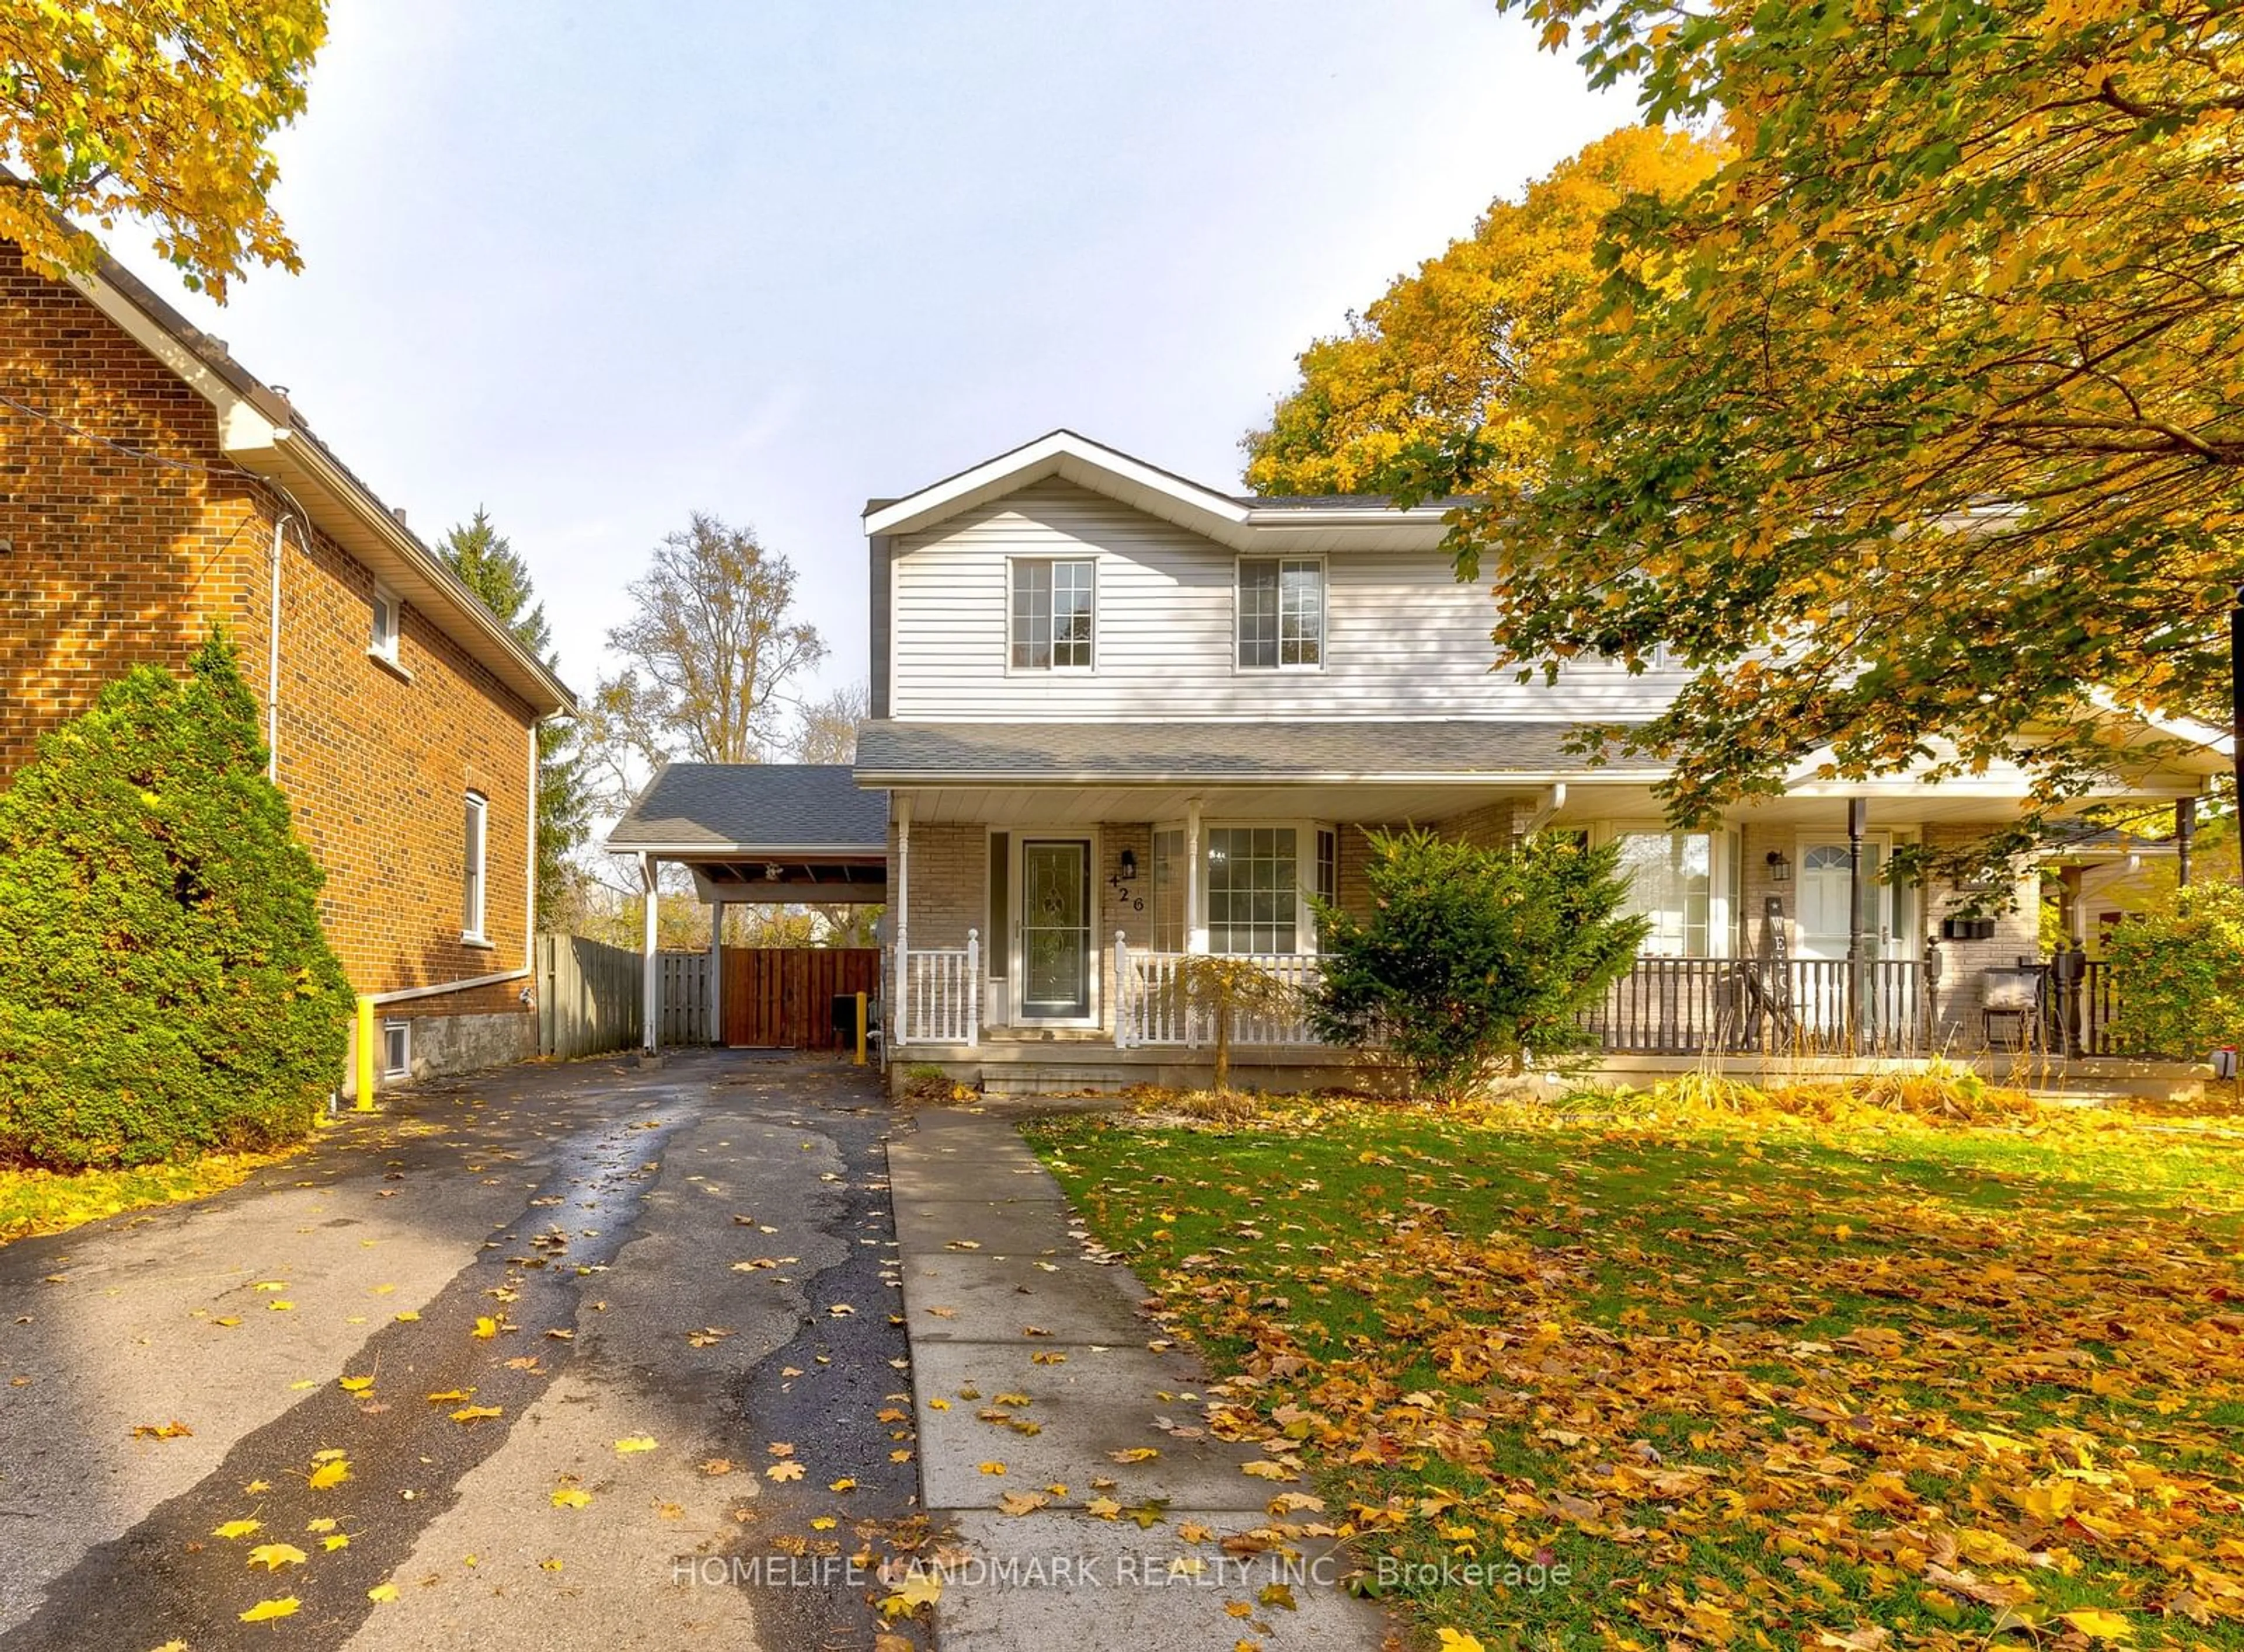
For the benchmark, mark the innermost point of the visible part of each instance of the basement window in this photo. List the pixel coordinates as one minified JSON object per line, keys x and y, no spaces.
{"x":396,"y":1049}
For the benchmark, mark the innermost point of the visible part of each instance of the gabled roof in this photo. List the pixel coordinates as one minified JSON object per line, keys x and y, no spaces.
{"x":754,"y":810}
{"x":261,"y":430}
{"x":1239,"y":522}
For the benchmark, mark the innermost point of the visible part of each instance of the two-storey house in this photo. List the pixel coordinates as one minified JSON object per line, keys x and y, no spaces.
{"x":1120,"y":718}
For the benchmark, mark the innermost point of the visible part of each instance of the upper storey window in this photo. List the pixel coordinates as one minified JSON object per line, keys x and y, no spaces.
{"x":1281,"y":613}
{"x":1052,"y":612}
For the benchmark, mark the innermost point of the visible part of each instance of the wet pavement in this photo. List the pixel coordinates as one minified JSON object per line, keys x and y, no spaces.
{"x":552,"y":1325}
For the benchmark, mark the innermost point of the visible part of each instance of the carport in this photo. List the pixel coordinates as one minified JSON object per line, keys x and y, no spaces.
{"x":770,"y":835}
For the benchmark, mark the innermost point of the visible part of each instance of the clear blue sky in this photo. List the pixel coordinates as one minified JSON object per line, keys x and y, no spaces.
{"x":595,"y":266}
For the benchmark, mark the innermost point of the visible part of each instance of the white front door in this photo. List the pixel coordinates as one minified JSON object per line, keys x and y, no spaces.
{"x":1054,"y":929}
{"x":1825,"y":885}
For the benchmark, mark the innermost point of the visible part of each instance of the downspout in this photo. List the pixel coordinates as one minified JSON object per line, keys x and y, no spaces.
{"x":272,"y":661}
{"x":530,"y":896}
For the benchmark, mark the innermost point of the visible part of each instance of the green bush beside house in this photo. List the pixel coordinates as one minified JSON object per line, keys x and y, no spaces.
{"x":165,"y":988}
{"x":2180,"y":972}
{"x":1474,"y":961}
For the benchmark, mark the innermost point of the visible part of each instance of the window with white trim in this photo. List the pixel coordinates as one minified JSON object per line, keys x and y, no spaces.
{"x":472,"y":843}
{"x":1253,"y":890}
{"x":1671,"y":882}
{"x":1168,"y":881}
{"x":1281,"y":613}
{"x":1052,"y":611}
{"x":396,"y":1049}
{"x":387,"y":621}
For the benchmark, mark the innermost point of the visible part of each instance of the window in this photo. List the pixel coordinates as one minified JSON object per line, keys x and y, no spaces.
{"x":396,"y":1049}
{"x":1281,"y":613}
{"x":1671,"y":877}
{"x":1168,"y":873}
{"x":1254,"y":895}
{"x":1051,"y":616}
{"x":383,"y":642}
{"x":996,"y":953}
{"x":1328,"y":870}
{"x":472,"y":902}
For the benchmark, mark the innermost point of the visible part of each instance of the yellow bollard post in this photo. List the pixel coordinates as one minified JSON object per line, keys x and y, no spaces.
{"x":860,"y":1059}
{"x":365,"y":1101}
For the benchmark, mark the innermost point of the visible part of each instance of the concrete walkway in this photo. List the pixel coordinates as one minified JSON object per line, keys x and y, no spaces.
{"x":1001,"y":1299}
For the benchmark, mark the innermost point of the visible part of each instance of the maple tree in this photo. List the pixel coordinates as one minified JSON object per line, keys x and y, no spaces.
{"x":1915,"y":430}
{"x":1442,"y":354}
{"x":155,"y":109}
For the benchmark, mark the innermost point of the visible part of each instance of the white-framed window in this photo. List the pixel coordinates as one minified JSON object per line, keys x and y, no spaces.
{"x":1680,"y":881}
{"x":1168,"y":880}
{"x":396,"y":1049}
{"x":1253,"y":889}
{"x":472,"y":846}
{"x":1052,"y":613}
{"x":1281,"y":603}
{"x":387,"y":621}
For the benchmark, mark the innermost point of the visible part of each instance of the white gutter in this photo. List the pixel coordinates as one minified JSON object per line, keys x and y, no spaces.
{"x":1549,"y":803}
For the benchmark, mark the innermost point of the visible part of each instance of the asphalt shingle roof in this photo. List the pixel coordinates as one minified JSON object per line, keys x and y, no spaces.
{"x":755,"y":807}
{"x":1253,"y":751}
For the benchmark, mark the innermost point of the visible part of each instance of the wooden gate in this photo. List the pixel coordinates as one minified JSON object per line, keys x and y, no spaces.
{"x":783,"y":998}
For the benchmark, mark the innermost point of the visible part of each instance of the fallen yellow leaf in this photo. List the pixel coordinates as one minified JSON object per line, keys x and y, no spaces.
{"x":636,"y":1443}
{"x":238,"y":1528}
{"x":274,"y":1556}
{"x":382,"y":1591}
{"x":266,"y":1611}
{"x":571,"y":1497}
{"x":330,"y":1474}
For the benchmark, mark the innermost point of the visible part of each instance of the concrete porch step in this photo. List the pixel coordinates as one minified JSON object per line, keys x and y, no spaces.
{"x":1056,"y":1079}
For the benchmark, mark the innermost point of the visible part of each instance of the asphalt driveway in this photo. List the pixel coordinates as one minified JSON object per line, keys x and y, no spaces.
{"x":558,"y":1326}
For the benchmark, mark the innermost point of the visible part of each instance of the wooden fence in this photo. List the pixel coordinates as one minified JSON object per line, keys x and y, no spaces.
{"x":783,"y":997}
{"x":687,"y":1018}
{"x":589,"y":996}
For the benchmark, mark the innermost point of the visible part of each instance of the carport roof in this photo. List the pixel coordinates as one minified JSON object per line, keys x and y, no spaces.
{"x":761,"y":810}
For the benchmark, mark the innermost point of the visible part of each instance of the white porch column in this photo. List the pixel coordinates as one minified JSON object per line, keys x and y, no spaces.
{"x":903,"y":911}
{"x":717,"y":971}
{"x":651,"y":982}
{"x":1195,"y":907}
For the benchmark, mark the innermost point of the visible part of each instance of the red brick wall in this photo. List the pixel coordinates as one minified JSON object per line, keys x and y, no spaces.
{"x":116,"y":560}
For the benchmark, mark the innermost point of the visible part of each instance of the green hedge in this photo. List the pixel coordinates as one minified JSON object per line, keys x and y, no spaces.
{"x":2179,"y":968}
{"x":165,"y":988}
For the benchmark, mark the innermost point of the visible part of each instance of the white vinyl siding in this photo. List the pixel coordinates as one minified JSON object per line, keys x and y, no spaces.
{"x":1401,"y":636}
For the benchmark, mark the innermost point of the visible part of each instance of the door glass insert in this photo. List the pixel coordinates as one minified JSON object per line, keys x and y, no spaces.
{"x":1055,"y":928}
{"x":1825,"y":885}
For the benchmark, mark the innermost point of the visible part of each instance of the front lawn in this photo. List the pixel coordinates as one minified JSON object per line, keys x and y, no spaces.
{"x":1705,"y":1380}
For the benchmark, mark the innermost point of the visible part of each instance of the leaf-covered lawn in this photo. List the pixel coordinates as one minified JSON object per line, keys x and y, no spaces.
{"x":45,"y":1201}
{"x":1750,"y":1382}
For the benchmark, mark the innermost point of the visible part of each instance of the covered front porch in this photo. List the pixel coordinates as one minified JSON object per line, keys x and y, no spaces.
{"x":1050,"y":927}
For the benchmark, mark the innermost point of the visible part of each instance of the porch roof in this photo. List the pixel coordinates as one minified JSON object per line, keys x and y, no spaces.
{"x":1304,"y":751}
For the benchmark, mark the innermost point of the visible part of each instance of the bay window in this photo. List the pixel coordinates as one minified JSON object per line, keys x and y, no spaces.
{"x":1678,"y":882}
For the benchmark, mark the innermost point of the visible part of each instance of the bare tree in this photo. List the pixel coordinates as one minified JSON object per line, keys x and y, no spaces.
{"x":826,"y":730}
{"x":712,"y":645}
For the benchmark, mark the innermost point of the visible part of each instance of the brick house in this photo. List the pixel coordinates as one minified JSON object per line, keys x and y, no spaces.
{"x":149,"y":486}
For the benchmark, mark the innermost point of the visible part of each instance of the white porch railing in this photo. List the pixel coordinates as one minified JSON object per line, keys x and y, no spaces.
{"x":1156,"y":1007}
{"x":941,"y":999}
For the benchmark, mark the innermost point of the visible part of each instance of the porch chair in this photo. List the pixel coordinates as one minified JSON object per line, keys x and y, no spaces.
{"x":2015,"y":996}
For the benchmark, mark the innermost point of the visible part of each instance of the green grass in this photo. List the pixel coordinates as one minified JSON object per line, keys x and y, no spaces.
{"x":1749,"y":1379}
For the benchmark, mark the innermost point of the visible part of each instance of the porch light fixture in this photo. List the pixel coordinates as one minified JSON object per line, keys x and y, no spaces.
{"x":1129,"y":864}
{"x":1779,"y":867}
